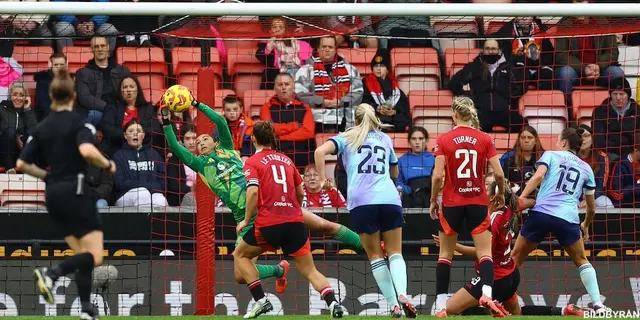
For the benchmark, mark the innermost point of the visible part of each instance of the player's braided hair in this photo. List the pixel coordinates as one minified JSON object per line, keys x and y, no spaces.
{"x":510,"y":201}
{"x":466,"y":110}
{"x":265,"y":134}
{"x":366,"y":121}
{"x":62,"y":89}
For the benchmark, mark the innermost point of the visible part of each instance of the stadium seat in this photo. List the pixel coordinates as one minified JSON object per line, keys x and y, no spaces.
{"x":548,"y":141}
{"x":359,"y":58}
{"x":504,"y":141}
{"x":21,"y":190}
{"x":447,"y":43}
{"x":458,"y":27}
{"x":78,"y":57}
{"x":585,"y":101}
{"x":31,"y":86}
{"x":432,"y":110}
{"x":545,"y":111}
{"x":254,"y":100}
{"x":142,"y":60}
{"x":400,"y":142}
{"x":245,"y":69}
{"x":322,"y":138}
{"x":493,"y":26}
{"x":153,"y":86}
{"x":33,"y":58}
{"x":456,"y":58}
{"x":629,"y":58}
{"x":416,"y":68}
{"x":187,"y":61}
{"x":239,"y":25}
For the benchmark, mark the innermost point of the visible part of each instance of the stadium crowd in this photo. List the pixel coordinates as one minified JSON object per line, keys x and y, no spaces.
{"x":312,"y":89}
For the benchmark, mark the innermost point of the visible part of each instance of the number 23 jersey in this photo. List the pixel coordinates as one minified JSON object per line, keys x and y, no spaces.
{"x":566,"y":179}
{"x":368,"y":178}
{"x":466,"y":151}
{"x":276,"y":177}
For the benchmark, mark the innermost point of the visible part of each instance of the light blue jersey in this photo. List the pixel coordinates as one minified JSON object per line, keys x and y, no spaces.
{"x":566,"y":179}
{"x":367,"y":169}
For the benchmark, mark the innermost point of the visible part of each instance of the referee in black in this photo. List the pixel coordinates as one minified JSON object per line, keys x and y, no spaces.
{"x":66,"y":141}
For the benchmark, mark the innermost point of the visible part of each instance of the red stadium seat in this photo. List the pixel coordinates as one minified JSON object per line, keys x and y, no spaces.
{"x":446,"y":43}
{"x":187,"y":61}
{"x":359,"y":58}
{"x":321,"y":138}
{"x":504,"y":141}
{"x":245,"y":69}
{"x":456,"y":58}
{"x":142,"y":60}
{"x":238,"y":25}
{"x":494,"y":26}
{"x":432,"y":110}
{"x":548,"y":141}
{"x":21,"y":190}
{"x":153,"y":86}
{"x":545,"y":111}
{"x":445,"y":26}
{"x":33,"y":58}
{"x":585,"y":101}
{"x":416,"y":68}
{"x":400,"y":142}
{"x":78,"y":57}
{"x":254,"y":100}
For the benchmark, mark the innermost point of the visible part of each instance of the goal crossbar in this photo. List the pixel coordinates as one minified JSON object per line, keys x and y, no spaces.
{"x":325,"y":9}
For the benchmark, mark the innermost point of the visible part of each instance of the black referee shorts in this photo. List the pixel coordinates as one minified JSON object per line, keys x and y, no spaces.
{"x":74,"y":214}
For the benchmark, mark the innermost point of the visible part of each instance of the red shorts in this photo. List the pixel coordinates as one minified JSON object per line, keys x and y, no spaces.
{"x":291,"y":237}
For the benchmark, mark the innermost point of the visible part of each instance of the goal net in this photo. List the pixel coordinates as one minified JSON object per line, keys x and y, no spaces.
{"x":169,"y":237}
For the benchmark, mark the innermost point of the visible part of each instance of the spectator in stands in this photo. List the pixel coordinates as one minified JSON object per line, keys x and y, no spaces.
{"x":625,"y":182}
{"x":490,"y":78}
{"x":317,"y":197}
{"x":331,"y":86}
{"x":292,"y":121}
{"x":616,"y":120}
{"x":407,"y":31}
{"x":601,"y":166}
{"x":17,"y":121}
{"x":382,"y":92}
{"x":43,"y":82}
{"x":530,"y":55}
{"x":131,"y":105}
{"x":349,"y":25}
{"x":97,"y":84}
{"x":67,"y":27}
{"x":140,"y":179}
{"x":585,"y":60}
{"x":414,"y":180}
{"x":520,"y":164}
{"x":280,"y":54}
{"x":100,"y":180}
{"x":239,"y":123}
{"x":10,"y":71}
{"x":158,"y":140}
{"x":180,"y":178}
{"x":25,"y":26}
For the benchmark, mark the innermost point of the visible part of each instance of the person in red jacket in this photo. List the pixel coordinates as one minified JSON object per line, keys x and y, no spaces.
{"x":317,"y":197}
{"x":292,"y":121}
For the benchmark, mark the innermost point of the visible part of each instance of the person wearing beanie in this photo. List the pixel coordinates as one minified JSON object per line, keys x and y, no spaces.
{"x":382,"y":92}
{"x":616,"y":120}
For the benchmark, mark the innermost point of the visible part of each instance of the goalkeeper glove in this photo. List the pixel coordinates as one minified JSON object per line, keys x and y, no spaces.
{"x":165,"y":116}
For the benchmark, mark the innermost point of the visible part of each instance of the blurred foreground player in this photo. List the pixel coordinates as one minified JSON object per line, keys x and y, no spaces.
{"x":275,"y":189}
{"x":465,"y":151}
{"x":563,"y":178}
{"x":220,"y":167}
{"x":373,"y":201}
{"x":504,"y":224}
{"x":66,"y":142}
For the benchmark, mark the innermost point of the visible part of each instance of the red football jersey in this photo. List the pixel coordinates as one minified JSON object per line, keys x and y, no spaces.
{"x":331,"y":198}
{"x":466,"y":151}
{"x":501,"y":244}
{"x":277,"y":177}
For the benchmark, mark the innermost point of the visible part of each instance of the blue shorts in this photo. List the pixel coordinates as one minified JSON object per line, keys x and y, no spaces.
{"x":372,"y":218}
{"x":537,"y":225}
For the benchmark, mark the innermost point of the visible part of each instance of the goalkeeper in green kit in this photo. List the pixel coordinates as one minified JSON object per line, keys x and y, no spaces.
{"x":220,"y":167}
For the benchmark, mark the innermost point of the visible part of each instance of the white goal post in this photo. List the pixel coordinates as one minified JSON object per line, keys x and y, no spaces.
{"x":323,"y":9}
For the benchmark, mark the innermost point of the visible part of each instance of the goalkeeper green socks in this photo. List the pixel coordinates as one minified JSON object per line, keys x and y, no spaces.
{"x":349,"y":237}
{"x":266,"y":271}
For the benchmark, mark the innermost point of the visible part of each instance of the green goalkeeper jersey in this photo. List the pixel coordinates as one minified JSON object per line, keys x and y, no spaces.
{"x":221,"y":169}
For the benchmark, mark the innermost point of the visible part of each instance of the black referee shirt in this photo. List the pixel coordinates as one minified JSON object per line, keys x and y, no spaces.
{"x":56,"y":139}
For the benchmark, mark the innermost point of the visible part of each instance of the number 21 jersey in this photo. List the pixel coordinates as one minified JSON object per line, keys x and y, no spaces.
{"x":566,"y":179}
{"x":367,"y":169}
{"x":466,"y":151}
{"x":277,"y":178}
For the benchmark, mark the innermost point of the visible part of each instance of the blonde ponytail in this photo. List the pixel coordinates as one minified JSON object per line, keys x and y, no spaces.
{"x":366,"y":121}
{"x":466,"y":111}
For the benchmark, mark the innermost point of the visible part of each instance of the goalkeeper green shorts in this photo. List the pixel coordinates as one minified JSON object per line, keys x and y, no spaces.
{"x":243,"y":232}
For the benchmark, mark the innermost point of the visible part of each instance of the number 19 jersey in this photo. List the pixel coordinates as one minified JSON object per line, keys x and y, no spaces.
{"x":367,"y":169}
{"x":277,"y":178}
{"x":466,"y":151}
{"x":566,"y":179}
